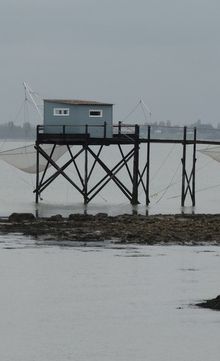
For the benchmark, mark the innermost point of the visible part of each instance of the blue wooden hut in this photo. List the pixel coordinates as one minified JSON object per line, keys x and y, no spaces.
{"x":78,"y":117}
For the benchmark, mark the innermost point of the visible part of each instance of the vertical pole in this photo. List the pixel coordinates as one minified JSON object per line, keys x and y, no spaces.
{"x":86,"y":169}
{"x":135,"y":167}
{"x":37,"y":174}
{"x":86,"y":175}
{"x":194,"y":171}
{"x":119,"y":127}
{"x":183,"y":168}
{"x":105,"y":124}
{"x":148,"y":166}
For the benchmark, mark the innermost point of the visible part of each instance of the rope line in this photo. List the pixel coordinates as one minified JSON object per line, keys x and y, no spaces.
{"x":169,"y":185}
{"x":163,"y":162}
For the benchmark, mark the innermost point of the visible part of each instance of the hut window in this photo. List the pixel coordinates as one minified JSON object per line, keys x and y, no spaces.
{"x":65,"y":112}
{"x":95,"y":113}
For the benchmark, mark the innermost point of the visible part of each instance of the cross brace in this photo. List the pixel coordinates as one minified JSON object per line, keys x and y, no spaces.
{"x":188,"y":179}
{"x":136,"y":176}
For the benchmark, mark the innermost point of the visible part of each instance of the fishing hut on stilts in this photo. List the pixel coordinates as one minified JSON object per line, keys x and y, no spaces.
{"x":85,"y":128}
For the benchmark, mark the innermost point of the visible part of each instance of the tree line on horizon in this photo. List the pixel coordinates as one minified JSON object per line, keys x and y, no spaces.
{"x":11,"y":131}
{"x":28,"y":131}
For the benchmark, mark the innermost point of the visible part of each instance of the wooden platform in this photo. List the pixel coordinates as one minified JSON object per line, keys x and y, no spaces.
{"x":128,"y":159}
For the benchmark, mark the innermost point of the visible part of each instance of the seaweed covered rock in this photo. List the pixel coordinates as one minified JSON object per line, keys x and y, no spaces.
{"x":21,"y":217}
{"x":56,"y":218}
{"x":79,"y":217}
{"x":213,"y":304}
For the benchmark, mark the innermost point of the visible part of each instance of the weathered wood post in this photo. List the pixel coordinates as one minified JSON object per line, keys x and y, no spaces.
{"x":183,"y":195}
{"x":86,"y":168}
{"x":188,"y":179}
{"x":134,"y":199}
{"x":148,"y":166}
{"x":194,"y":169}
{"x":37,"y":167}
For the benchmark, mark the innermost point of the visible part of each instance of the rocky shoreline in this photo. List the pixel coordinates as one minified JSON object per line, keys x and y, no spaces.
{"x":156,"y":229}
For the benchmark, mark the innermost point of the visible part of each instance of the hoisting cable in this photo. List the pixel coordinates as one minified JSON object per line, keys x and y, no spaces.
{"x":177,"y":182}
{"x":169,"y":185}
{"x":145,"y":107}
{"x":199,"y":190}
{"x":131,"y":112}
{"x":163,"y":162}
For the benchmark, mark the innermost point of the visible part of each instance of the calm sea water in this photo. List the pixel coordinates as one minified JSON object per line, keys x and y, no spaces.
{"x":102,"y":302}
{"x":16,"y":187}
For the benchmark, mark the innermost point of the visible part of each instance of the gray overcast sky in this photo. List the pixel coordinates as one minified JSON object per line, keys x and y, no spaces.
{"x":166,"y":52}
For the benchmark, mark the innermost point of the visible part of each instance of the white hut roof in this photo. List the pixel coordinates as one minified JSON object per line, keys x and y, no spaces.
{"x":76,"y":102}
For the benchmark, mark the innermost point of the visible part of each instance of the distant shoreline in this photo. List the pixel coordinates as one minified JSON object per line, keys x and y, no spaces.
{"x":200,"y":229}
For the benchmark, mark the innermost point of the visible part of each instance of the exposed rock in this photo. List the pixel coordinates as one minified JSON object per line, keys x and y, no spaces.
{"x":21,"y":217}
{"x":101,"y":215}
{"x":213,"y":304}
{"x":155,"y":229}
{"x":56,"y":218}
{"x":80,"y":217}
